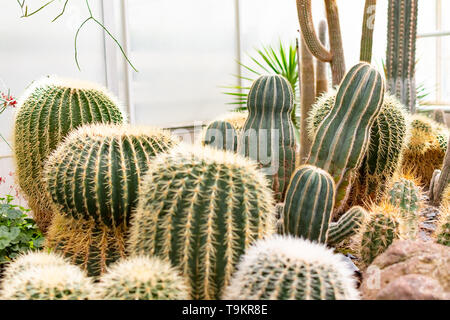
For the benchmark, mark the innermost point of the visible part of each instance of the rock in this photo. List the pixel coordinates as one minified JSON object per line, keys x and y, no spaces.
{"x":408,"y":257}
{"x":412,"y":287}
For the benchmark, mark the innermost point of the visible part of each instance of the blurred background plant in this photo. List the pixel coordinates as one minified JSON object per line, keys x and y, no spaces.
{"x":281,"y":60}
{"x":6,"y":101}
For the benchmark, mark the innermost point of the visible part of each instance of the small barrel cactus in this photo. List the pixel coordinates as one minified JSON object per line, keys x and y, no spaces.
{"x":347,"y":225}
{"x":380,"y":228}
{"x":95,"y":172}
{"x":220,"y":135}
{"x":201,"y":208}
{"x":47,"y":112}
{"x":268,"y":135}
{"x":141,"y":278}
{"x":309,"y":204}
{"x":86,"y":243}
{"x":442,"y":233}
{"x":287,"y":268}
{"x":342,"y":138}
{"x":51,"y":282}
{"x":388,"y":138}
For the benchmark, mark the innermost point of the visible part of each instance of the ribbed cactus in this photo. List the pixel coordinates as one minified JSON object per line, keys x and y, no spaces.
{"x":381,"y":227}
{"x":405,"y":194}
{"x":442,"y":232}
{"x":388,"y":138}
{"x":48,"y":111}
{"x":141,"y":278}
{"x":279,"y":215}
{"x":220,"y":135}
{"x":284,"y":268}
{"x":401,"y":51}
{"x":235,"y":118}
{"x":51,"y":282}
{"x":426,"y":148}
{"x":342,"y":138}
{"x":309,"y":204}
{"x":347,"y":225}
{"x":86,"y":243}
{"x":268,"y":134}
{"x":95,"y":173}
{"x":201,"y":208}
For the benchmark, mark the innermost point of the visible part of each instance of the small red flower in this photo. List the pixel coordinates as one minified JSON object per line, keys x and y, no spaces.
{"x":8,"y":100}
{"x":2,"y":180}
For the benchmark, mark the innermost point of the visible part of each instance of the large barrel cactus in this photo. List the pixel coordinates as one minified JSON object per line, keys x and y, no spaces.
{"x":342,"y":138}
{"x":268,"y":135}
{"x":93,"y":180}
{"x":285,"y":268}
{"x":388,"y":138}
{"x":201,"y":208}
{"x":309,"y":204}
{"x":48,"y":111}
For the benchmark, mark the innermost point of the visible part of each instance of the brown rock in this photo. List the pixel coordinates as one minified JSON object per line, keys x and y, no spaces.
{"x":412,"y":287}
{"x":408,"y":257}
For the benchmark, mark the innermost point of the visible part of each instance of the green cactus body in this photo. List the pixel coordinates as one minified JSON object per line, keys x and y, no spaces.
{"x":378,"y":232}
{"x":141,"y":278}
{"x":96,"y":172}
{"x":401,"y":51}
{"x":342,"y":138}
{"x":388,"y":137}
{"x":309,"y":204}
{"x":48,"y":111}
{"x":442,"y":233}
{"x":51,"y":282}
{"x":268,"y":135}
{"x":405,"y":194}
{"x":220,"y":135}
{"x":200,"y":208}
{"x":347,"y":225}
{"x":279,"y":214}
{"x":287,"y":268}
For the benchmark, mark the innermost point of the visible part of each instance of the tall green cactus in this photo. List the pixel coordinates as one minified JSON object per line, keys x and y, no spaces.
{"x":220,"y":135}
{"x":201,"y":208}
{"x":48,"y":111}
{"x":401,"y":50}
{"x":141,"y":278}
{"x":268,"y":134}
{"x":347,"y":225}
{"x":309,"y":204}
{"x":342,"y":138}
{"x":96,"y":172}
{"x":284,"y":268}
{"x":405,"y":194}
{"x":388,"y":137}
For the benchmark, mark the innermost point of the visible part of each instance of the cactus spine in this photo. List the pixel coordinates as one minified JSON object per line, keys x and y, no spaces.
{"x":401,"y":51}
{"x":201,"y":208}
{"x":220,"y":135}
{"x":268,"y":135}
{"x":347,"y":225}
{"x":442,"y":233}
{"x":388,"y":138}
{"x":141,"y":278}
{"x":51,"y":282}
{"x":309,"y":204}
{"x":284,"y":268}
{"x":342,"y":138}
{"x":48,"y":110}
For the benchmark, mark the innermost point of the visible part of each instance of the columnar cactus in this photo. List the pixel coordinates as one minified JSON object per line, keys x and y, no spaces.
{"x":426,"y":148}
{"x":401,"y":51}
{"x":220,"y":135}
{"x":381,"y":227}
{"x":95,"y":173}
{"x":268,"y":134}
{"x":442,"y":233}
{"x":51,"y":282}
{"x":405,"y":194}
{"x":347,"y":225}
{"x":388,"y":138}
{"x":141,"y":278}
{"x":309,"y":204}
{"x":48,"y":111}
{"x":86,"y":243}
{"x":283,"y":268}
{"x":279,"y":215}
{"x":342,"y":138}
{"x":201,"y":208}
